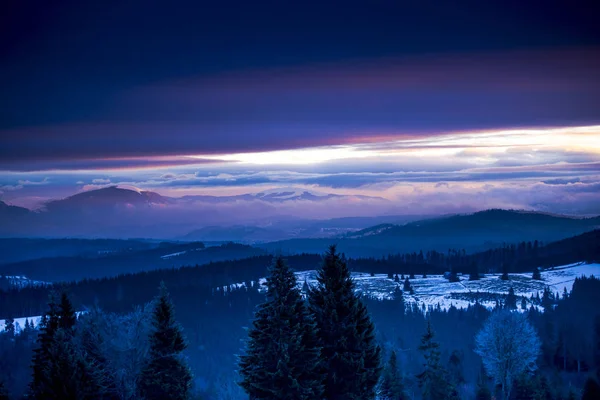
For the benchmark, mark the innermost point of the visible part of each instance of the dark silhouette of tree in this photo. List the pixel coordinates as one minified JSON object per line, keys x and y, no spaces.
{"x":41,"y":362}
{"x":536,"y":274}
{"x":474,"y":274}
{"x":3,"y":392}
{"x":591,"y":390}
{"x":511,"y":300}
{"x":60,"y":370}
{"x":349,"y":350}
{"x":392,"y":387}
{"x":9,"y":327}
{"x":166,"y":375}
{"x":407,"y":286}
{"x":483,"y":391}
{"x":504,"y":275}
{"x":433,"y":380}
{"x":66,"y":315}
{"x":282,"y":359}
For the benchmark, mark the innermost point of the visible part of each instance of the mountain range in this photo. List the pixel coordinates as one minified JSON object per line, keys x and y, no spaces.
{"x":115,"y":212}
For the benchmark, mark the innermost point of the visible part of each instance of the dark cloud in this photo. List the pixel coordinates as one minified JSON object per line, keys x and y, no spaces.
{"x":320,"y":106}
{"x":559,"y":181}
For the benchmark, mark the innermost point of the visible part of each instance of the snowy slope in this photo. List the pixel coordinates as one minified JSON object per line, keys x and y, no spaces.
{"x":20,"y":322}
{"x":435,"y":289}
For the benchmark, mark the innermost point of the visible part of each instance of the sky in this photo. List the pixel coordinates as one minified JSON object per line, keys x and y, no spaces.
{"x":436,"y":107}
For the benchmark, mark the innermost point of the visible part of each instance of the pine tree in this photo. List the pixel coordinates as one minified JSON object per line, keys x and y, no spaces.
{"x":474,"y":275}
{"x":523,"y":304}
{"x":504,"y":276}
{"x":166,"y":375}
{"x":3,"y":392}
{"x":392,"y":387}
{"x":59,"y":368}
{"x":9,"y":327}
{"x":349,"y":350}
{"x":591,"y":390}
{"x":407,"y":285}
{"x":536,"y":274}
{"x":41,"y":362}
{"x":483,"y":392}
{"x":66,"y":314}
{"x":511,"y":300}
{"x":433,"y":382}
{"x":282,"y":359}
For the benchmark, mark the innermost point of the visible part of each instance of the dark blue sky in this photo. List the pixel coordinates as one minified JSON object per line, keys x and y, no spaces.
{"x":67,"y":61}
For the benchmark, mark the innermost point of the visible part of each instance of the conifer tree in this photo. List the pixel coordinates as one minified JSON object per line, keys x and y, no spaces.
{"x":433,"y":380}
{"x":511,"y":300}
{"x":66,"y":314}
{"x":41,"y":355}
{"x":591,"y":390}
{"x":347,"y":335}
{"x":392,"y":387}
{"x":282,"y":358}
{"x":59,"y":368}
{"x":474,"y":274}
{"x":536,"y":274}
{"x":505,"y":276}
{"x":483,"y":392}
{"x":166,"y":374}
{"x":407,"y":285}
{"x":9,"y":327}
{"x":523,"y":304}
{"x":3,"y":392}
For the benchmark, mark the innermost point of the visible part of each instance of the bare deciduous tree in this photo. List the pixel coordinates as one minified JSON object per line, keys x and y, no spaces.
{"x":509,"y":347}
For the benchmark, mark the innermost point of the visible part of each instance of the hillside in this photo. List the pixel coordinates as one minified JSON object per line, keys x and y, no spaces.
{"x":165,"y":255}
{"x":436,"y":290}
{"x":473,"y":232}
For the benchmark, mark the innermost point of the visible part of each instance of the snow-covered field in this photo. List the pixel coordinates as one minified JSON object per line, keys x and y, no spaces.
{"x":22,"y":281}
{"x":435,"y":289}
{"x":20,"y":322}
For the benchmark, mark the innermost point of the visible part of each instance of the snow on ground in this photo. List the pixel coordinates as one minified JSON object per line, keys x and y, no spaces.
{"x":20,"y":281}
{"x":20,"y":322}
{"x":435,"y":289}
{"x":167,"y":256}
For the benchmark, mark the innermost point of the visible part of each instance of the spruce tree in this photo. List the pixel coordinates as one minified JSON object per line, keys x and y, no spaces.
{"x":66,"y":314}
{"x":166,"y":374}
{"x":433,"y":380}
{"x":350,"y":353}
{"x":504,"y":276}
{"x":282,"y":357}
{"x":474,"y":274}
{"x":59,"y":369}
{"x":591,"y":390}
{"x":511,"y":300}
{"x":536,"y":274}
{"x":392,"y":387}
{"x":9,"y":327}
{"x":407,"y":285}
{"x":41,"y":362}
{"x":482,"y":392}
{"x":3,"y":392}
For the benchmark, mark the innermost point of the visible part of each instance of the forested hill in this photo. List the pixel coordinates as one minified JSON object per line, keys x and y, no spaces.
{"x":167,"y":255}
{"x":120,"y":292}
{"x":472,"y":232}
